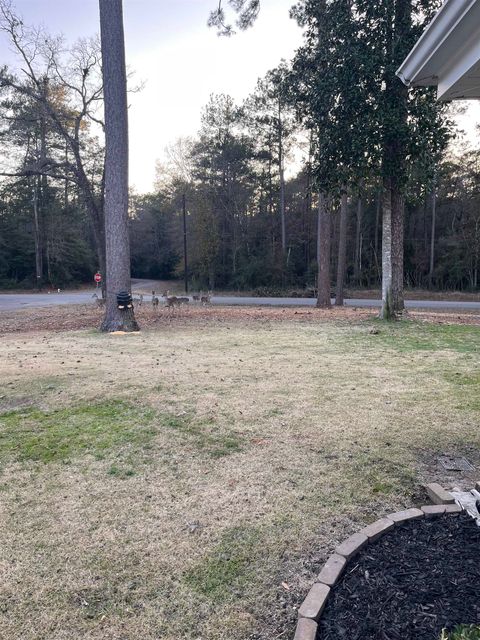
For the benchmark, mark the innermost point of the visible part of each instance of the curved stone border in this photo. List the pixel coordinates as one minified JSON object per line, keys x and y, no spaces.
{"x":312,"y":607}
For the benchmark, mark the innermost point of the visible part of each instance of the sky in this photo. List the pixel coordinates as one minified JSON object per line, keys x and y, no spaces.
{"x":179,"y":60}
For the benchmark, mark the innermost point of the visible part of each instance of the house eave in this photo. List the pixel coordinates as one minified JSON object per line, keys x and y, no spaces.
{"x":447,"y":54}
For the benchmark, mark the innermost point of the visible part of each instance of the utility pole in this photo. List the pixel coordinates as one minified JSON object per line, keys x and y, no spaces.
{"x":185,"y":242}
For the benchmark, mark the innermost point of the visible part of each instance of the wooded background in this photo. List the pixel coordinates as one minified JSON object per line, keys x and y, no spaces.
{"x":328,"y":128}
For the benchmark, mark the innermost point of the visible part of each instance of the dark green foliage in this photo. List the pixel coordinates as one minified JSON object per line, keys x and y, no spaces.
{"x":334,"y":79}
{"x":17,"y":251}
{"x":68,"y":253}
{"x":342,"y":74}
{"x":152,"y":254}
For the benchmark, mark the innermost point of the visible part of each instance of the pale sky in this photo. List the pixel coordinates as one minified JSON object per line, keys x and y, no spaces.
{"x":180,"y":59}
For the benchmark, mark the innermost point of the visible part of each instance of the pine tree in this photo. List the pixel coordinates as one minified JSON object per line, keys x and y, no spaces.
{"x":118,"y":317}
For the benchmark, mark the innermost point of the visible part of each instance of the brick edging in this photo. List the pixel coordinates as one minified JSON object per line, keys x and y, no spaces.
{"x":311,"y":609}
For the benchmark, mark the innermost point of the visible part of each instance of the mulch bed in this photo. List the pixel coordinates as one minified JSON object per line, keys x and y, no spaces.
{"x":418,"y":579}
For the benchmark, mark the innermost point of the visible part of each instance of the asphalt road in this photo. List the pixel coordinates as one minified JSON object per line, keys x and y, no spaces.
{"x":351,"y":302}
{"x":12,"y":301}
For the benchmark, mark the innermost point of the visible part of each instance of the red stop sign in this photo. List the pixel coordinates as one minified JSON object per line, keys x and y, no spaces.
{"x":97,"y":277}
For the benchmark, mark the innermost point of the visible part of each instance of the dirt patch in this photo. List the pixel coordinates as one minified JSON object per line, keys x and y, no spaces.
{"x":89,"y":317}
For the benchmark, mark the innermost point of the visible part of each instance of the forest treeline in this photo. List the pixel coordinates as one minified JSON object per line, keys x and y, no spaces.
{"x":301,"y":167}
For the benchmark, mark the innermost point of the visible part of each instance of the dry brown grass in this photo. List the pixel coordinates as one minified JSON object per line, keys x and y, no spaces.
{"x":276,"y":434}
{"x":54,"y":319}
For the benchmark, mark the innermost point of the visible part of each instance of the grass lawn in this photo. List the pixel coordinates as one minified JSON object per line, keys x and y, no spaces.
{"x":182,"y":483}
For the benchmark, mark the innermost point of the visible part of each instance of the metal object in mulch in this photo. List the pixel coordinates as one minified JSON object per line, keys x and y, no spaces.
{"x":469,"y":501}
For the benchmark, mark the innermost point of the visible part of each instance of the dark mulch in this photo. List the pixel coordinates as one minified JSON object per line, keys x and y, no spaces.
{"x":418,"y":579}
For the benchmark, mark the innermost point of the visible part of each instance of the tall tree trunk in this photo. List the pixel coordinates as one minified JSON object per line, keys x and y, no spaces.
{"x":49,"y":262}
{"x":425,"y":231}
{"x":342,"y":249}
{"x":308,"y":204}
{"x":116,"y":167}
{"x":37,"y":235}
{"x":358,"y":241}
{"x":282,"y":182}
{"x":432,"y":237}
{"x":398,"y":217}
{"x":399,"y":23}
{"x":378,"y":210}
{"x":65,"y":189}
{"x":387,"y":311}
{"x":185,"y":255}
{"x":323,"y":251}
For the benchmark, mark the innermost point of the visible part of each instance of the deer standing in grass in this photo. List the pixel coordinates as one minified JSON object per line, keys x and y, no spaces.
{"x":100,"y":302}
{"x":172,"y":301}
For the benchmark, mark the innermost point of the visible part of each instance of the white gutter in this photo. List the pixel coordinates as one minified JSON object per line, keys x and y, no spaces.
{"x":447,"y":51}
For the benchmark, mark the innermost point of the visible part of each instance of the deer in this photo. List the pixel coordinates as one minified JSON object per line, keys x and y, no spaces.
{"x":100,"y":302}
{"x":154,"y":300}
{"x":206,"y":299}
{"x":170,"y":301}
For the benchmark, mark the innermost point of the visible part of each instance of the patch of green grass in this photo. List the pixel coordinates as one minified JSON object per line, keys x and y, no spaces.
{"x":229,"y":567}
{"x":120,"y":472}
{"x":224,"y":445}
{"x":206,"y":437}
{"x":462,"y":632}
{"x":407,"y":336}
{"x":59,"y":435}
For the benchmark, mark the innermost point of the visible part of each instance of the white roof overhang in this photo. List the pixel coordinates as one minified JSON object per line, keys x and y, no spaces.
{"x":448,"y":53}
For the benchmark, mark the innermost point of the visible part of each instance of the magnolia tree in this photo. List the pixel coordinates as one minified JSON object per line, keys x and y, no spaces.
{"x":367,"y":125}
